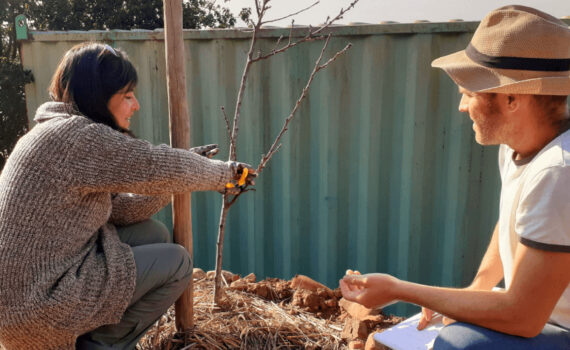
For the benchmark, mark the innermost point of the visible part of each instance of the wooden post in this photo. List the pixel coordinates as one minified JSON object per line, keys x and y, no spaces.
{"x":179,"y":138}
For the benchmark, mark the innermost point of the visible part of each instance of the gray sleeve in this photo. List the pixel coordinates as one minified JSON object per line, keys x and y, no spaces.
{"x":103,"y":159}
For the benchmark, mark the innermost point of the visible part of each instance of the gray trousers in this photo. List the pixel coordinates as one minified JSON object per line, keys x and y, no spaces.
{"x":163,"y":273}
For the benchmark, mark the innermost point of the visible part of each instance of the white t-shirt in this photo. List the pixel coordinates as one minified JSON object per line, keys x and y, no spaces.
{"x":535,"y":208}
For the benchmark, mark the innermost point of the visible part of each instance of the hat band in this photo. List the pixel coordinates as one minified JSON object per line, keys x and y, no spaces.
{"x":520,"y":63}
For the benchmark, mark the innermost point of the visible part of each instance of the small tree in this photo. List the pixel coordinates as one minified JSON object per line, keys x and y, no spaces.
{"x":255,"y":55}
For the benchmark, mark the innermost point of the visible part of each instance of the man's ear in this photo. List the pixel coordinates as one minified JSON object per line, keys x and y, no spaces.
{"x":512,"y":102}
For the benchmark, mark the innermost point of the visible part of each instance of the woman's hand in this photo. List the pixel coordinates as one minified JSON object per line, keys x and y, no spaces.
{"x":207,"y":151}
{"x":371,"y":290}
{"x":243,"y":175}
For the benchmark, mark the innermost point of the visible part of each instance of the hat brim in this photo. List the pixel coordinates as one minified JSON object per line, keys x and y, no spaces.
{"x":477,"y":78}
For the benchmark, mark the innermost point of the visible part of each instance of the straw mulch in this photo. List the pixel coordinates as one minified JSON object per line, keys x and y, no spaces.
{"x":270,"y":314}
{"x":246,"y":321}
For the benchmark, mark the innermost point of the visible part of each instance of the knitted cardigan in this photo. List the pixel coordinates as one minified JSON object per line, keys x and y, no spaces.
{"x":63,"y":269}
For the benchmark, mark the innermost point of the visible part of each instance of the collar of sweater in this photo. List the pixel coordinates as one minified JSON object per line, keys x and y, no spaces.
{"x":50,"y":110}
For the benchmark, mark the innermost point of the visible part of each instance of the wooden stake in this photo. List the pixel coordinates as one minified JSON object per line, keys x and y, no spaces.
{"x":179,"y":138}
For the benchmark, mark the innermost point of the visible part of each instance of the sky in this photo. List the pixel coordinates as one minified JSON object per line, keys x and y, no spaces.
{"x":403,"y":11}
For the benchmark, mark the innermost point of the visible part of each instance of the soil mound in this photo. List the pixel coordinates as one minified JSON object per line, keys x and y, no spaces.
{"x":273,"y":313}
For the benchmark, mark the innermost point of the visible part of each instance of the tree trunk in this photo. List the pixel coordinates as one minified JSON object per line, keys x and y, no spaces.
{"x":218,"y":288}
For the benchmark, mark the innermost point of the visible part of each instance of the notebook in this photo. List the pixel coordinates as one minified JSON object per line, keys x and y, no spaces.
{"x":405,"y":335}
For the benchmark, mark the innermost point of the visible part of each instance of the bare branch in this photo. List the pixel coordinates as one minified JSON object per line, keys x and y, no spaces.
{"x":310,"y":36}
{"x":265,"y":158}
{"x":233,"y":136}
{"x":233,"y":139}
{"x":277,"y":43}
{"x":257,"y":8}
{"x":276,"y":144}
{"x":339,"y":16}
{"x":293,"y":14}
{"x":287,"y":47}
{"x":227,"y":123}
{"x":290,"y":32}
{"x":231,"y":201}
{"x":332,"y":59}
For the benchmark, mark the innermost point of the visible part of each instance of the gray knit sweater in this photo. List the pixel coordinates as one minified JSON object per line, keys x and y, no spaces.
{"x":63,"y":270}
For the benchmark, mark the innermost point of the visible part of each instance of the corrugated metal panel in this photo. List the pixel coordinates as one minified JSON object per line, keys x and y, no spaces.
{"x":378,"y":172}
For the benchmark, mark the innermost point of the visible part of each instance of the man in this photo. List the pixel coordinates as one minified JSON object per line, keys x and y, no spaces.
{"x":514,"y":78}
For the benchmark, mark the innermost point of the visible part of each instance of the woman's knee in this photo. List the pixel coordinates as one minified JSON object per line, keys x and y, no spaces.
{"x":183,"y":262}
{"x":160,"y":232}
{"x":145,"y":232}
{"x":161,"y":266}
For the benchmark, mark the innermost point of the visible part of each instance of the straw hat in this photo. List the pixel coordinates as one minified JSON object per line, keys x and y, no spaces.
{"x":515,"y":49}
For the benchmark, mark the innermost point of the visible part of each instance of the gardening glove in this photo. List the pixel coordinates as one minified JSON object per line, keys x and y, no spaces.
{"x":243,"y":175}
{"x":206,"y":151}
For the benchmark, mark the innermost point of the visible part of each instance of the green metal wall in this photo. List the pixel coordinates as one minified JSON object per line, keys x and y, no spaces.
{"x":378,"y":172}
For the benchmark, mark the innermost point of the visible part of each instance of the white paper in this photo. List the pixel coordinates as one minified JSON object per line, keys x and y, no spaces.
{"x":405,"y":335}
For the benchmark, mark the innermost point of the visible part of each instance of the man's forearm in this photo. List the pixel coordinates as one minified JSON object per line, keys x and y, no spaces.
{"x":490,"y":309}
{"x":490,"y":271}
{"x":540,"y":277}
{"x":488,"y":275}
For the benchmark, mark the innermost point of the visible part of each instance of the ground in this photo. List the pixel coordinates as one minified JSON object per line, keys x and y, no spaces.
{"x":273,"y":313}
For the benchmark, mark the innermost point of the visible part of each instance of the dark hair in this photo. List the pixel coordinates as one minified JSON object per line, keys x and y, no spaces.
{"x":550,"y":101}
{"x":552,"y":106}
{"x":88,"y":75}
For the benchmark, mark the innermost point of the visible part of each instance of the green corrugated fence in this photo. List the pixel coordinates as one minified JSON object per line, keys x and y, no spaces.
{"x":378,"y":172}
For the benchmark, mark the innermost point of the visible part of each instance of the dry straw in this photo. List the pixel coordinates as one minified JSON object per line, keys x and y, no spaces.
{"x":244,"y":322}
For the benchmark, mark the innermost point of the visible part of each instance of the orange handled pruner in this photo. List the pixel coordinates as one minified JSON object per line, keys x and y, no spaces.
{"x":241,"y":180}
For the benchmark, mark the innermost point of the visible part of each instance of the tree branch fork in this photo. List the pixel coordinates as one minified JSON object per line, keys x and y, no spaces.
{"x":261,"y":7}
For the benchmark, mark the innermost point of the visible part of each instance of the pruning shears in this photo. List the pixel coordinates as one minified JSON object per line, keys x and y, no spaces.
{"x":239,"y":183}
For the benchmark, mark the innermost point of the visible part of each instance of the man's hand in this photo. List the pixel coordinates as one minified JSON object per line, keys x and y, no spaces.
{"x":207,"y":151}
{"x":427,"y":316}
{"x":371,"y":290}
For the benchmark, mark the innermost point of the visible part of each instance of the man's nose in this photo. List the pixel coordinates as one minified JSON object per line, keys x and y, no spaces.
{"x":463,"y":104}
{"x":137,"y":105}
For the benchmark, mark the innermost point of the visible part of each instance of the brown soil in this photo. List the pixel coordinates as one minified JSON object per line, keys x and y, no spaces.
{"x":273,"y":313}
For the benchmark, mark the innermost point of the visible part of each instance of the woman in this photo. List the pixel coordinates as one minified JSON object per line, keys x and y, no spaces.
{"x":79,"y":256}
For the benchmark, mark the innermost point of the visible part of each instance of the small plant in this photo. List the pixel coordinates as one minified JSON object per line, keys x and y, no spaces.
{"x":255,"y":55}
